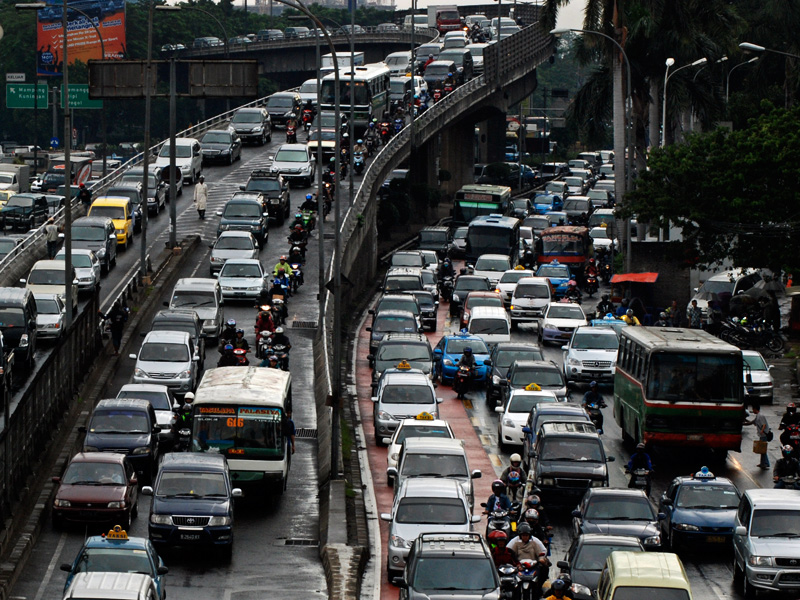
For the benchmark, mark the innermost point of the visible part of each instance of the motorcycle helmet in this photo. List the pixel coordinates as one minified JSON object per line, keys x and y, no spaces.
{"x":640,"y":447}
{"x":531,"y":516}
{"x":468,"y":350}
{"x":497,"y":536}
{"x":662,"y":315}
{"x":359,"y":141}
{"x":787,"y":451}
{"x":513,"y":478}
{"x":791,"y":408}
{"x":292,"y":115}
{"x":629,"y":312}
{"x":281,"y":271}
{"x":498,"y":487}
{"x":188,"y":398}
{"x":309,"y":197}
{"x":278,"y":330}
{"x":593,"y":384}
{"x":82,"y":185}
{"x":238,"y":331}
{"x":559,"y":585}
{"x":605,"y":297}
{"x":273,"y":358}
{"x":533,"y":501}
{"x":230,"y":323}
{"x":372,"y":124}
{"x":228,"y":347}
{"x":591,"y":261}
{"x":332,"y":160}
{"x":515,"y":458}
{"x":572,"y":283}
{"x":283,"y":257}
{"x":524,"y":529}
{"x":449,"y":74}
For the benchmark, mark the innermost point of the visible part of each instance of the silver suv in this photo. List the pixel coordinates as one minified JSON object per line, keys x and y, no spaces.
{"x":591,"y":355}
{"x":402,"y":393}
{"x":167,"y":358}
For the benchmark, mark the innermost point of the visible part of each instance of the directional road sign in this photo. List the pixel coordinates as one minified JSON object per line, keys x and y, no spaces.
{"x":20,"y":95}
{"x":79,"y":97}
{"x":55,"y":142}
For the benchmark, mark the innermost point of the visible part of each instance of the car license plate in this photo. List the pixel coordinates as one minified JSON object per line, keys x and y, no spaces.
{"x":190,"y":537}
{"x":694,"y":437}
{"x":715,"y":539}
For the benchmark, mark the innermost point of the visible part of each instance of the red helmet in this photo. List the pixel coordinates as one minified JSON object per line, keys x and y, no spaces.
{"x":283,"y":257}
{"x":83,"y":185}
{"x":591,"y":261}
{"x":498,"y":536}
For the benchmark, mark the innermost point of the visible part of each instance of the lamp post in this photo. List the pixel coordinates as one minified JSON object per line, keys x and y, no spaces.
{"x":146,"y":149}
{"x":667,"y":75}
{"x":757,"y":48}
{"x":733,"y":68}
{"x":691,"y":114}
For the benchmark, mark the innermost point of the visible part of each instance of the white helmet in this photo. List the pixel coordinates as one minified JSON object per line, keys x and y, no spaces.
{"x":279,"y":330}
{"x":188,"y":397}
{"x":516,"y":458}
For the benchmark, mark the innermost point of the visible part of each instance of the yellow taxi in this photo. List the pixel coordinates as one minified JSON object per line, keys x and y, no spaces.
{"x":119,"y":210}
{"x":4,"y":196}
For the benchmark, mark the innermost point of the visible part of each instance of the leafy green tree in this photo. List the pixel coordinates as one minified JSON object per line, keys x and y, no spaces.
{"x":733,"y":194}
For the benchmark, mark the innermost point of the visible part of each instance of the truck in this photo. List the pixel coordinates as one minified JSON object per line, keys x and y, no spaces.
{"x":14,"y":177}
{"x":444,"y":17}
{"x":81,"y":172}
{"x":344,"y":60}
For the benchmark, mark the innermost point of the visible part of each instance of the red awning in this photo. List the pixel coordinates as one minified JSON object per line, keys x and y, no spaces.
{"x":635,"y":277}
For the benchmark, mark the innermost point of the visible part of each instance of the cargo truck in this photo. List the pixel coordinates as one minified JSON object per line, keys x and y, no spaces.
{"x":444,"y":17}
{"x":15,"y":178}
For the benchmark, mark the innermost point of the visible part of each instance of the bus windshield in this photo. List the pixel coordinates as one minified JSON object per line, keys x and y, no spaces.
{"x":694,"y":377}
{"x":490,"y":240}
{"x":239,"y":431}
{"x":328,"y":91}
{"x":562,"y":244}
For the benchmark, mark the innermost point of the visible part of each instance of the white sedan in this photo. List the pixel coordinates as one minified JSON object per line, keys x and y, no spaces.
{"x":50,"y":311}
{"x":87,"y":268}
{"x":508,"y":283}
{"x":242,"y":278}
{"x":601,"y":239}
{"x":560,"y":319}
{"x":516,"y":412}
{"x":421,"y":426}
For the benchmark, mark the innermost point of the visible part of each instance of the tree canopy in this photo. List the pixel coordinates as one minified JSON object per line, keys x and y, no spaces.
{"x":733,"y":193}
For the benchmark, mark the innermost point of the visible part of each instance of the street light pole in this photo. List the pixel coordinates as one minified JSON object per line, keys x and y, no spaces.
{"x":146,"y":149}
{"x":728,"y":78}
{"x":667,"y":76}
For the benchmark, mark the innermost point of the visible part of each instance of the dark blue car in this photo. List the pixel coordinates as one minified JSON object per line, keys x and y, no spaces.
{"x":699,"y":509}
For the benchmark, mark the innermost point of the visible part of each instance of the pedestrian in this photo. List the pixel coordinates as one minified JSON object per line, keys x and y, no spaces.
{"x":84,"y":196}
{"x":695,"y":316}
{"x":117,"y":317}
{"x":290,"y":431}
{"x":51,"y":235}
{"x":674,"y":314}
{"x":763,"y":431}
{"x":201,"y":197}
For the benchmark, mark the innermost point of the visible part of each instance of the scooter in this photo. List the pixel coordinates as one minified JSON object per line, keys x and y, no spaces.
{"x":297,"y":275}
{"x":788,"y":482}
{"x":447,"y":289}
{"x":291,"y":134}
{"x":282,"y":353}
{"x":309,"y":220}
{"x":385,"y":132}
{"x":462,"y":380}
{"x":263,"y":342}
{"x":640,"y":479}
{"x":241,"y":355}
{"x":596,"y":415}
{"x":498,"y":521}
{"x":307,"y":117}
{"x":358,"y":162}
{"x":527,"y":576}
{"x":508,"y":581}
{"x":591,"y":285}
{"x":297,"y":251}
{"x":398,"y":125}
{"x":437,"y":95}
{"x":279,"y":311}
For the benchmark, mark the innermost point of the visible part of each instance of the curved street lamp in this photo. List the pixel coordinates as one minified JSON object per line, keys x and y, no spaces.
{"x":728,"y":79}
{"x":667,"y":76}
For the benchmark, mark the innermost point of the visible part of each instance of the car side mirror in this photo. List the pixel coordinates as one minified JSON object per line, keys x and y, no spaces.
{"x":661,"y":516}
{"x":55,"y":479}
{"x":61,"y":236}
{"x":370,"y":357}
{"x":666,"y":501}
{"x":392,"y":472}
{"x":219,"y":213}
{"x":400,"y":582}
{"x":386,"y":441}
{"x":371,"y":311}
{"x":162,"y":570}
{"x":369,"y":328}
{"x":438,"y":351}
{"x":526,"y":429}
{"x":487,"y":362}
{"x":499,"y":410}
{"x":82,"y":429}
{"x":476,"y":474}
{"x":133,"y":356}
{"x":147,"y":490}
{"x":563,"y":564}
{"x":610,"y":459}
{"x":439,"y":400}
{"x":237,"y":493}
{"x":475,"y":519}
{"x":740,"y":530}
{"x":565,"y":348}
{"x":374,"y":398}
{"x":216,"y":274}
{"x":749,"y":378}
{"x":66,"y":567}
{"x":386,"y":516}
{"x":156,"y":429}
{"x":576,"y":513}
{"x":22,"y":281}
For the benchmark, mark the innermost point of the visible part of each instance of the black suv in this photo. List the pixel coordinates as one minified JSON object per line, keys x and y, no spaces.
{"x":427,"y":308}
{"x":18,"y":326}
{"x":275,"y":189}
{"x":568,"y":459}
{"x":245,"y":211}
{"x":545,"y":373}
{"x":413,"y":348}
{"x":503,"y":356}
{"x":464,"y":285}
{"x":24,"y":211}
{"x":449,"y":565}
{"x":126,"y":426}
{"x":281,"y":105}
{"x":436,"y":238}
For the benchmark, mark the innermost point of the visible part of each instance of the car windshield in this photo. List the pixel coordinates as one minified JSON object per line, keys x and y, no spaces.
{"x":689,"y":376}
{"x":428,"y":277}
{"x":46,"y":277}
{"x":291,"y":156}
{"x":476,"y":51}
{"x":119,"y":421}
{"x":325,"y":135}
{"x":85,"y":473}
{"x":185,"y":326}
{"x":81,"y":261}
{"x":599,"y":233}
{"x":453,"y":573}
{"x":280,"y":102}
{"x":471,"y":284}
{"x":716,"y":287}
{"x":777,"y":522}
{"x":592,"y":557}
{"x":249,"y":270}
{"x":553,"y":271}
{"x":398,"y":304}
{"x":394,"y":61}
{"x":707,"y":495}
{"x":576,"y":450}
{"x":162,"y":352}
{"x":431,"y":511}
{"x":234,"y":243}
{"x":244,"y":116}
{"x":457,"y":346}
{"x":384,"y":324}
{"x":251,"y":210}
{"x":151,"y":180}
{"x":88,"y":234}
{"x":47,"y":306}
{"x":594,"y":341}
{"x":436,"y":70}
{"x":619,"y":508}
{"x":407,"y":394}
{"x":158,"y":400}
{"x":492,"y":264}
{"x":192,"y":484}
{"x":442,"y":465}
{"x":112,"y":212}
{"x":216,"y":137}
{"x":192,"y":299}
{"x":402,"y":282}
{"x":485,"y":326}
{"x":430,"y":257}
{"x":460,"y":233}
{"x":514,"y":276}
{"x":263,"y":185}
{"x":656,"y":593}
{"x":20,"y":200}
{"x":397,"y":87}
{"x":755,"y":362}
{"x":114,"y":560}
{"x":425,"y":299}
{"x":565,"y":312}
{"x":409,"y":431}
{"x":531,"y":290}
{"x":397,"y":352}
{"x":473,"y":302}
{"x":505,"y":358}
{"x":181,"y":150}
{"x":540,"y":375}
{"x":11,"y":317}
{"x":309,"y":87}
{"x":407,"y":260}
{"x":7,"y":246}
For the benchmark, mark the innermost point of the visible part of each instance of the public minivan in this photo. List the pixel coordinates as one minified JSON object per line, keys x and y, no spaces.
{"x":463,"y":61}
{"x":398,"y":63}
{"x":634,"y":575}
{"x":120,"y":211}
{"x":203,"y":295}
{"x":47,"y":277}
{"x":188,"y":158}
{"x":491,"y":323}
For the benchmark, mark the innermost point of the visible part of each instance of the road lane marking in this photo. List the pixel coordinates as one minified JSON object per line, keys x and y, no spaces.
{"x":495,"y":460}
{"x":467,"y":403}
{"x":486,"y":441}
{"x":48,"y":575}
{"x":476,"y":422}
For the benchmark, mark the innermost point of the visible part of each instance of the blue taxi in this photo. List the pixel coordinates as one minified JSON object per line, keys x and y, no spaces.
{"x":544,"y":203}
{"x":450,"y":349}
{"x":116,"y":552}
{"x":700,"y":508}
{"x":558,"y":274}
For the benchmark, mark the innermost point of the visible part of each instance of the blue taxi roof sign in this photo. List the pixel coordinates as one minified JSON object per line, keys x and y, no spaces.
{"x":704,"y":473}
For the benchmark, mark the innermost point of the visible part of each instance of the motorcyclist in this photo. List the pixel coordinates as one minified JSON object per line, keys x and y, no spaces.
{"x":283,"y":278}
{"x":514,"y":476}
{"x":228,"y":358}
{"x":662,"y":320}
{"x":591,"y":269}
{"x":501,"y":555}
{"x":240,"y":343}
{"x":281,"y":264}
{"x":271,"y":362}
{"x":371,"y":136}
{"x":630,"y":318}
{"x":468,"y":358}
{"x":183,"y":413}
{"x":297,"y":237}
{"x":329,"y":174}
{"x":309,"y":106}
{"x":573,"y":293}
{"x":280,"y":339}
{"x":359,"y":147}
{"x":539,"y":522}
{"x":276,"y":290}
{"x":427,"y":62}
{"x":264,"y":320}
{"x":526,"y":546}
{"x":559,"y":590}
{"x":228,"y":334}
{"x":786,"y":466}
{"x":498,"y":500}
{"x":593,"y":396}
{"x":790,"y":417}
{"x":639,"y":460}
{"x":447,"y":268}
{"x":449,"y":81}
{"x":605,"y":306}
{"x":791,"y":436}
{"x":291,"y":126}
{"x":309,"y":204}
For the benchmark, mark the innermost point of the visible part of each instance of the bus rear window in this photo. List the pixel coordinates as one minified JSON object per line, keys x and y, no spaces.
{"x":694,"y":378}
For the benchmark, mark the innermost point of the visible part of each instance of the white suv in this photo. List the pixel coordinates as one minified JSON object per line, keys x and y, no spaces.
{"x":167,"y":358}
{"x":529,"y":299}
{"x":591,"y":355}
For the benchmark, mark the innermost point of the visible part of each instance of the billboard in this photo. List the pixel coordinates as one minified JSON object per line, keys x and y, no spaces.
{"x":108,"y":16}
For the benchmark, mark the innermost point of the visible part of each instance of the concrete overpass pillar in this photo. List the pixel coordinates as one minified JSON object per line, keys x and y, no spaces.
{"x":423,"y":163}
{"x":496,"y":138}
{"x":457,"y":156}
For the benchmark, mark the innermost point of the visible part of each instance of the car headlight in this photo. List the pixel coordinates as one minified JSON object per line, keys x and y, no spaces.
{"x":395,"y":456}
{"x":141,"y":450}
{"x":257,"y":129}
{"x":62,"y":503}
{"x":226,"y":151}
{"x":255,"y":227}
{"x":101,"y":253}
{"x":224,"y":227}
{"x":455,"y":298}
{"x":495,"y":379}
{"x":653,"y":540}
{"x":575,"y":362}
{"x":508,"y":423}
{"x":686,"y":527}
{"x":547,"y":481}
{"x":137,"y":372}
{"x":385,"y":416}
{"x":161,"y":519}
{"x":398,"y":542}
{"x":185,"y":374}
{"x":216,"y":259}
{"x":185,"y":167}
{"x":577,"y":588}
{"x":217,"y":521}
{"x":116,"y":505}
{"x":119,"y":231}
{"x":599,"y":483}
{"x":760,"y":561}
{"x":448,"y":362}
{"x":91,"y":449}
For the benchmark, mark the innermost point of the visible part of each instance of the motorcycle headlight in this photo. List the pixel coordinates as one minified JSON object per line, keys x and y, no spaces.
{"x":116,"y":505}
{"x":62,"y":503}
{"x":760,"y":561}
{"x":686,"y":527}
{"x":161,"y":519}
{"x":141,"y":450}
{"x":218,"y":521}
{"x":653,"y":540}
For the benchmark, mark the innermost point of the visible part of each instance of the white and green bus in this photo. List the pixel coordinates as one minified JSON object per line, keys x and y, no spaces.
{"x":240,"y":412}
{"x":371,"y":97}
{"x":679,"y":387}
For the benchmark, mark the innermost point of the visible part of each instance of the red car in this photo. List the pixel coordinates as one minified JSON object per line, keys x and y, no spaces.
{"x":479,"y":299}
{"x":97,"y":487}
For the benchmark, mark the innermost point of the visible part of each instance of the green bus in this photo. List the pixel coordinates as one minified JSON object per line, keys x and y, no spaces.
{"x":480,"y":200}
{"x":370,"y":98}
{"x":679,"y":387}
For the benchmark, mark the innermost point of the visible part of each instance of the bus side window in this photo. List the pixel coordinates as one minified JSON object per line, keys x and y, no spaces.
{"x":624,"y":355}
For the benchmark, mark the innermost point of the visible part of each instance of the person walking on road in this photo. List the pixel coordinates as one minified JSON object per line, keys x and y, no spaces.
{"x":695,"y":316}
{"x":763,"y":432}
{"x":51,"y":235}
{"x":201,"y":197}
{"x":117,"y":317}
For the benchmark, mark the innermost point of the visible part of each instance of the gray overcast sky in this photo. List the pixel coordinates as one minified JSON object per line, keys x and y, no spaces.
{"x":569,"y":16}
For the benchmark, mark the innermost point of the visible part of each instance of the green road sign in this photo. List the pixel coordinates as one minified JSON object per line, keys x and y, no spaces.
{"x":79,"y":97}
{"x":20,"y":95}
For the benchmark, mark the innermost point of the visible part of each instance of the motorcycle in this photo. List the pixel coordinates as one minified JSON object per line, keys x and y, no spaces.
{"x":291,"y":134}
{"x":282,"y":353}
{"x":307,"y":118}
{"x":508,"y":581}
{"x":462,"y":380}
{"x":263,"y":342}
{"x":605,"y":272}
{"x":398,"y":125}
{"x":591,"y":285}
{"x":448,"y":89}
{"x":297,"y":275}
{"x":527,"y":577}
{"x":358,"y":163}
{"x":385,"y":131}
{"x":370,"y":144}
{"x":437,"y":95}
{"x":447,"y":289}
{"x":297,"y":251}
{"x":309,"y":220}
{"x":788,"y":482}
{"x":596,"y":415}
{"x":498,"y":521}
{"x":241,"y":356}
{"x":279,"y":311}
{"x":640,"y":479}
